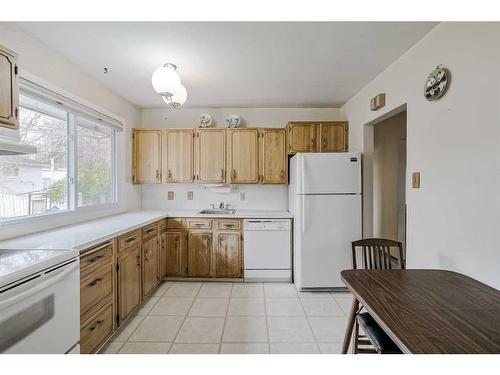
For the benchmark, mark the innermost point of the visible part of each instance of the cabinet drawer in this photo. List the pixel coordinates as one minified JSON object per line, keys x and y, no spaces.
{"x":199,"y":223}
{"x":174,"y":223}
{"x":229,"y":224}
{"x":95,"y":287}
{"x":96,"y":257}
{"x":162,"y":226}
{"x":96,"y":329}
{"x":128,"y":239}
{"x":149,"y":231}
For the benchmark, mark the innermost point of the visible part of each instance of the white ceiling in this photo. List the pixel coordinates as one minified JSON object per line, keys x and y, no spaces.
{"x":251,"y":64}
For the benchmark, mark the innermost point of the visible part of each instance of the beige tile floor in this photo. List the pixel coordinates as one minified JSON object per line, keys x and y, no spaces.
{"x":234,"y":318}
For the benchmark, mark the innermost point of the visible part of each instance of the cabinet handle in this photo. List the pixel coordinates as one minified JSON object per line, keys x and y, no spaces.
{"x":222,"y":174}
{"x":324,"y":142}
{"x":138,"y":257}
{"x":130,"y":239}
{"x":234,"y":174}
{"x":282,"y":174}
{"x":93,"y":283}
{"x":92,"y":260}
{"x":169,"y":174}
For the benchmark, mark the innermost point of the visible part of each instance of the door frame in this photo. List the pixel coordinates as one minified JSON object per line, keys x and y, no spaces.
{"x":367,"y":172}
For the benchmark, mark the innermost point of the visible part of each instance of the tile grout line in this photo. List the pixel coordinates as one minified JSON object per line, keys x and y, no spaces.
{"x":225,"y":320}
{"x":310,"y":325}
{"x":135,"y":329}
{"x":184,"y":320}
{"x":267,"y":322}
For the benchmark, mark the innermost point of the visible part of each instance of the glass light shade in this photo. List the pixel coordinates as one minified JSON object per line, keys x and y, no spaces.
{"x":178,"y":98}
{"x":164,"y":79}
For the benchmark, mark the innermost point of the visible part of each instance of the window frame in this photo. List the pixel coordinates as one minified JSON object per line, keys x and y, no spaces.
{"x":72,"y":159}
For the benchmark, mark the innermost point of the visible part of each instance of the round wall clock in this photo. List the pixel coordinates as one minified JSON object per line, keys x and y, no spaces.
{"x":436,"y":83}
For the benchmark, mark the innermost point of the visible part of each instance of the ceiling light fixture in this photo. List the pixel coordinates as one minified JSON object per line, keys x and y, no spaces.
{"x":167,"y":83}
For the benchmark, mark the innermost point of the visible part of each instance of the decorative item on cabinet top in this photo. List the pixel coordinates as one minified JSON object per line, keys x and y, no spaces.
{"x":205,"y":120}
{"x":210,"y":156}
{"x":233,"y":121}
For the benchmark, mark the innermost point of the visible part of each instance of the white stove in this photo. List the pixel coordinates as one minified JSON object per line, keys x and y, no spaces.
{"x":39,"y":301}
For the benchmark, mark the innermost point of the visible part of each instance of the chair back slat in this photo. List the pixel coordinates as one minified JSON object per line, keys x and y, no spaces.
{"x":376,"y":253}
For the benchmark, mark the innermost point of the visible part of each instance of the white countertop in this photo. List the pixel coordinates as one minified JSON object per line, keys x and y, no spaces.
{"x":83,"y":235}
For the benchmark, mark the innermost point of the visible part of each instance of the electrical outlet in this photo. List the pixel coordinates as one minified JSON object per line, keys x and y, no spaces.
{"x":170,"y":196}
{"x":189,"y":195}
{"x":242,"y":196}
{"x":415,"y":180}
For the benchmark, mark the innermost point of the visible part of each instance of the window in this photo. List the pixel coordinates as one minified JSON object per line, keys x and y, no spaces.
{"x":37,"y":183}
{"x":74,"y":166}
{"x":95,"y":163}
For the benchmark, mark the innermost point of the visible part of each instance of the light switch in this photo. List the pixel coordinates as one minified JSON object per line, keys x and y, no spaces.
{"x":415,"y":180}
{"x":189,"y":195}
{"x":170,"y":196}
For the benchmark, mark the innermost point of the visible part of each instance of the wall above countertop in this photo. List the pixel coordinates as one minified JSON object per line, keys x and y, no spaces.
{"x":250,"y":117}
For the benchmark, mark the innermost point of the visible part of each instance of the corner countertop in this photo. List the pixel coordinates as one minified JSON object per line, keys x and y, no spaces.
{"x":89,"y":233}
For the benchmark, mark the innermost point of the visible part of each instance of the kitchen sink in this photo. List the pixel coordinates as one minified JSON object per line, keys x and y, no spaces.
{"x":219,"y":211}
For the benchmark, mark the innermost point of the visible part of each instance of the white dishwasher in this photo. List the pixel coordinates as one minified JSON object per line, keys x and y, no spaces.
{"x":267,"y":252}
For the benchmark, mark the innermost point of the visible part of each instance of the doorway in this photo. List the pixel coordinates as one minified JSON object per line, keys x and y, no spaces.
{"x":384,"y":177}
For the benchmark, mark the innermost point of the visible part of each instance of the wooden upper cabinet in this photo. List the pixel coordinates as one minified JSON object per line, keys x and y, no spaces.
{"x":146,"y":156}
{"x":243,"y":156}
{"x":174,"y":254}
{"x":178,"y":155}
{"x":333,"y":137}
{"x":301,"y":137}
{"x":200,"y":254}
{"x":228,"y":257}
{"x":129,"y":280}
{"x":325,"y":136}
{"x":273,"y":157}
{"x":9,"y":91}
{"x":211,"y":155}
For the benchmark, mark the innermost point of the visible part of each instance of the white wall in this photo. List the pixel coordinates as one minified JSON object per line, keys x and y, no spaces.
{"x":453,"y":219}
{"x":38,"y":61}
{"x":256,"y":196}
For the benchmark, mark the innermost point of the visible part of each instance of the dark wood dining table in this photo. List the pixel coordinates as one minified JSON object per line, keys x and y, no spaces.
{"x":427,"y":311}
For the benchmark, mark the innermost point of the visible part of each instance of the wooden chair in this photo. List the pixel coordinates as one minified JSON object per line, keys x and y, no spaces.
{"x":375,"y":254}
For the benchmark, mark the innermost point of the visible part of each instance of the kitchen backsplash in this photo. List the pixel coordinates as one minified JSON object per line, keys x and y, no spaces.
{"x":256,"y":197}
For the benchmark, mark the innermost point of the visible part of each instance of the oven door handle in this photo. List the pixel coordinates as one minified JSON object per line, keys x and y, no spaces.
{"x":39,"y":287}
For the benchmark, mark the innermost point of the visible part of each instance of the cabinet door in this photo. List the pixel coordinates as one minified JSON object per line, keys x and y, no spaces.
{"x":9,"y":92}
{"x":178,"y":155}
{"x":200,"y":254}
{"x":301,"y":137}
{"x":273,"y":157}
{"x":228,"y":261}
{"x":129,"y":280}
{"x":174,"y":254}
{"x":243,"y":156}
{"x":211,"y":155}
{"x":150,"y":262}
{"x":333,"y":137}
{"x":146,"y":156}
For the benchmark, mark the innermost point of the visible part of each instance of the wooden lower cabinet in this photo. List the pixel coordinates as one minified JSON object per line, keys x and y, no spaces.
{"x":129,"y":280}
{"x":228,"y":255}
{"x":173,"y":254}
{"x":150,"y":262}
{"x":200,"y":254}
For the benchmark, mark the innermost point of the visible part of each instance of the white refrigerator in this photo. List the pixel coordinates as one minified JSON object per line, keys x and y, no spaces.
{"x":325,"y":199}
